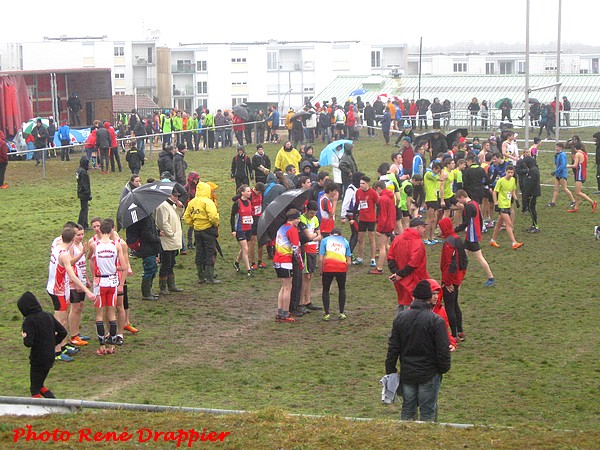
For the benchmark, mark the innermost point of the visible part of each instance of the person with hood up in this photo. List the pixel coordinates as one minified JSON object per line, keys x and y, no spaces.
{"x":165,"y":160}
{"x":407,"y":261}
{"x":261,"y":164}
{"x":179,"y":164}
{"x":453,"y":264}
{"x":287,"y":155}
{"x":202,"y":214}
{"x":347,"y":166}
{"x":3,"y":159}
{"x":440,"y":310}
{"x":531,"y":190}
{"x":84,"y":190}
{"x":241,"y":168}
{"x":311,"y":159}
{"x":135,"y":160}
{"x":305,"y":170}
{"x":192,"y":182}
{"x":41,"y":333}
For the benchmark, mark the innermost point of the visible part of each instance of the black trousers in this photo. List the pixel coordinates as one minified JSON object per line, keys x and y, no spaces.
{"x":37,"y":377}
{"x":83,"y":213}
{"x":296,"y":287}
{"x":3,"y":171}
{"x":327,"y":278}
{"x":453,"y":310}
{"x":167,"y":263}
{"x":206,"y":246}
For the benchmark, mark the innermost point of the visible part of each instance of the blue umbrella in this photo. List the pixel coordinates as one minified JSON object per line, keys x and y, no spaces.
{"x":330,"y":150}
{"x":359,"y":91}
{"x":77,"y":136}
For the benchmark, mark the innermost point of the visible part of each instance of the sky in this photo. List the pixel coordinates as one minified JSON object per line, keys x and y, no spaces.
{"x":443,"y":23}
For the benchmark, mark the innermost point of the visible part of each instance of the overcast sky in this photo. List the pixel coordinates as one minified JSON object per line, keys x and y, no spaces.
{"x":442,"y":22}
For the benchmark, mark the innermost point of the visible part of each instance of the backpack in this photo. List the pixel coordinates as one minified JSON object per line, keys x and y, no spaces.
{"x":460,"y":260}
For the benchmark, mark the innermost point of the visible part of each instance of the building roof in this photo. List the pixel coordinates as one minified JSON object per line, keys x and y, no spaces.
{"x":581,"y":89}
{"x":125,"y":103}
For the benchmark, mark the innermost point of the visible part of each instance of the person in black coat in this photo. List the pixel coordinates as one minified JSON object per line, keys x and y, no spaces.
{"x":41,"y":333}
{"x":143,"y":238}
{"x":531,"y":190}
{"x":103,"y":144}
{"x":369,"y":116}
{"x":84,"y":190}
{"x":165,"y":160}
{"x":419,"y":339}
{"x":241,"y":168}
{"x":261,"y":164}
{"x":134,"y":159}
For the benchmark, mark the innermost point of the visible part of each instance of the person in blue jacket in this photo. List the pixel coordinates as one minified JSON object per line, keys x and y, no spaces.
{"x":560,"y":175}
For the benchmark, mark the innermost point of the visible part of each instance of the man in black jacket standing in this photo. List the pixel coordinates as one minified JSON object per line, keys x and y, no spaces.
{"x":419,"y":339}
{"x":143,"y":237}
{"x":84,"y":190}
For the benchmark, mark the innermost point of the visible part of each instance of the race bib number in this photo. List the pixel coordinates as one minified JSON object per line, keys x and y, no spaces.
{"x":363,"y":204}
{"x":257,"y":210}
{"x":247,"y":220}
{"x":509,"y":195}
{"x":113,"y":280}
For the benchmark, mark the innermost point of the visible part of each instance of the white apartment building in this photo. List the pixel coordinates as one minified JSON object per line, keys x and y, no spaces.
{"x":222,"y":75}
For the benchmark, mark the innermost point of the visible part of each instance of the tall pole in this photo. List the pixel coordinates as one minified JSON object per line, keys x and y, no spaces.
{"x":557,"y":100}
{"x":526,"y":112}
{"x":420,"y":63}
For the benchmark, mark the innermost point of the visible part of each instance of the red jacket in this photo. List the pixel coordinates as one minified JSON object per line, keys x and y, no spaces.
{"x":238,"y":123}
{"x":113,"y":134}
{"x":350,"y":118}
{"x":450,"y":253}
{"x":386,"y":220}
{"x":3,"y":149}
{"x":440,"y":310}
{"x":408,"y":249}
{"x":90,"y":142}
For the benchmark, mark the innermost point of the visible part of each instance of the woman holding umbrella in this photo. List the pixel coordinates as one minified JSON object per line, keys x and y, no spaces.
{"x":241,"y":225}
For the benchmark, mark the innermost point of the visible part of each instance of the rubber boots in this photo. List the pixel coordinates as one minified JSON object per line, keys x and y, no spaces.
{"x":147,"y":289}
{"x":171,"y":284}
{"x":162,"y":283}
{"x":201,"y":274}
{"x":210,"y":275}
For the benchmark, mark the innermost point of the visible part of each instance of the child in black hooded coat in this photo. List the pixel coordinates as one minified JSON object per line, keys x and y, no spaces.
{"x":41,"y":332}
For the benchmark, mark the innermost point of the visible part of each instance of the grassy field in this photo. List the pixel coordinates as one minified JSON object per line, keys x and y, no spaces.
{"x":529,"y":361}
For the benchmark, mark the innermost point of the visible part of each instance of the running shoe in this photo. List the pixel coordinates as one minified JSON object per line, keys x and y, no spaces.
{"x":534,"y":230}
{"x":573,"y":210}
{"x":517,"y":245}
{"x":343,"y":316}
{"x":327,"y":317}
{"x":436,"y":241}
{"x":78,"y":341}
{"x":461,"y":336}
{"x":494,"y":244}
{"x":597,"y":232}
{"x":490,"y":282}
{"x":428,"y":242}
{"x":109,"y":351}
{"x":358,"y":262}
{"x":236,"y":266}
{"x":130,"y":328}
{"x":313,"y":307}
{"x":594,"y":206}
{"x":287,"y":319}
{"x":551,"y":204}
{"x":183,"y":251}
{"x":101,"y":352}
{"x":298,"y":313}
{"x":376,"y":272}
{"x":119,"y":340}
{"x":262,"y":265}
{"x":71,"y":351}
{"x":572,"y":205}
{"x":373,"y":263}
{"x":63,"y":357}
{"x":84,"y":338}
{"x":254,"y":266}
{"x":278,"y":318}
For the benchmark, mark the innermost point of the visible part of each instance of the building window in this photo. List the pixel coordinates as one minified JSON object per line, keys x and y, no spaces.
{"x":238,"y":100}
{"x":271,"y":60}
{"x":490,"y":69}
{"x":202,"y":87}
{"x":119,"y":76}
{"x":238,"y":60}
{"x":506,"y":67}
{"x":119,"y":51}
{"x":375,"y":59}
{"x":521,"y":67}
{"x":201,"y":66}
{"x":460,"y":67}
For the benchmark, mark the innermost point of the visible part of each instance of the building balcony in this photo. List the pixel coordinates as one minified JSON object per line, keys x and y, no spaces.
{"x":183,"y":91}
{"x":144,"y":82}
{"x":139,"y":61}
{"x":183,"y":68}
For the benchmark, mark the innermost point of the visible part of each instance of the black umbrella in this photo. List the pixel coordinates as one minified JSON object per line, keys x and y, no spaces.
{"x":453,"y":135}
{"x":274,"y":215}
{"x":301,"y":115}
{"x":241,"y":112}
{"x":423,"y":101}
{"x":430,"y":137}
{"x":533,"y":100}
{"x":142,"y":201}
